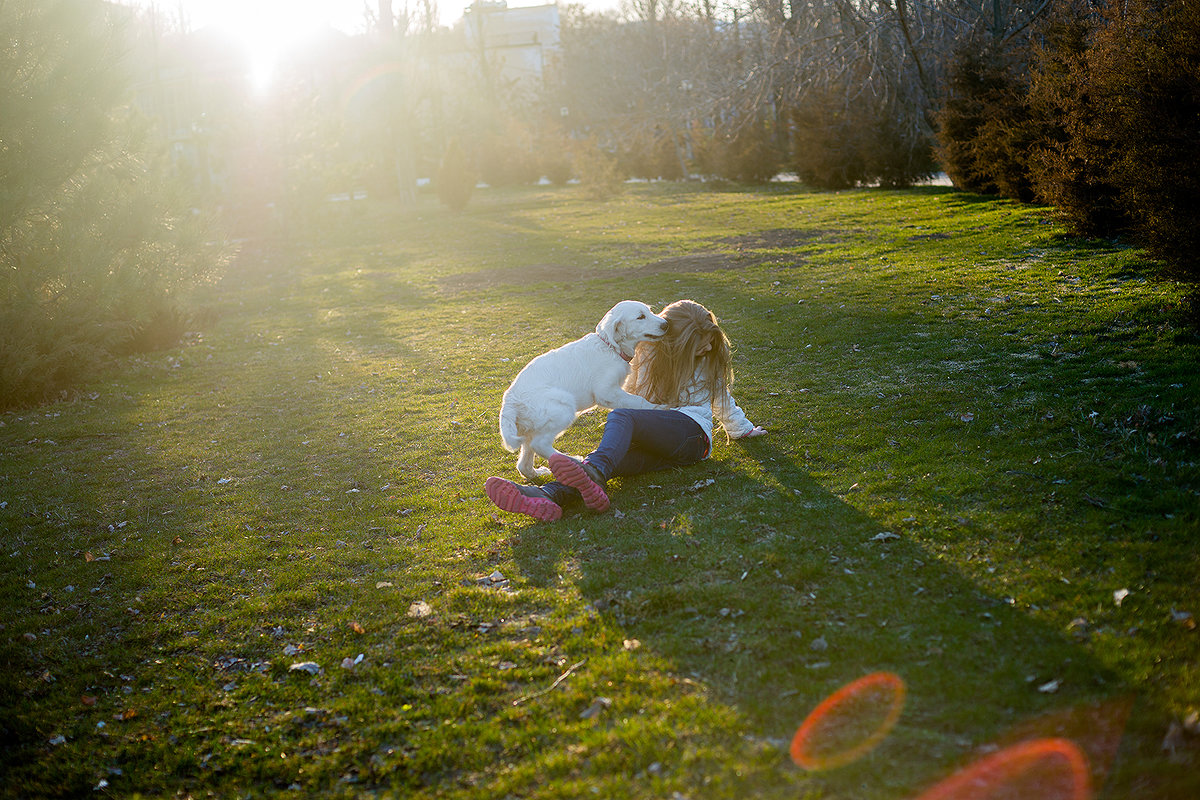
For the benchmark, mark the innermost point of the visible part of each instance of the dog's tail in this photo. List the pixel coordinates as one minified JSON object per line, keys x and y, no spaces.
{"x":508,"y":426}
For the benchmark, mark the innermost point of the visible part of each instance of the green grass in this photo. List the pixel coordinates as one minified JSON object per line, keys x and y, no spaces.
{"x":1017,"y":407}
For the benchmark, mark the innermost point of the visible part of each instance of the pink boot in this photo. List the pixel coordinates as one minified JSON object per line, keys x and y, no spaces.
{"x":579,"y":476}
{"x":531,"y":501}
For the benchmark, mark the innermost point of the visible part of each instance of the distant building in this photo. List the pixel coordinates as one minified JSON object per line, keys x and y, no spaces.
{"x":518,"y":48}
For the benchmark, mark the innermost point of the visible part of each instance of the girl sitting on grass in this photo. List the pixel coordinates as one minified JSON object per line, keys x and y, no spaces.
{"x":689,"y":368}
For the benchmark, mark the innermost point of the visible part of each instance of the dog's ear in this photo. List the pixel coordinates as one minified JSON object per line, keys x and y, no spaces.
{"x":609,"y":327}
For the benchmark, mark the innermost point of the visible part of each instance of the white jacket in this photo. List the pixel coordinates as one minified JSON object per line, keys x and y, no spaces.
{"x":698,"y":403}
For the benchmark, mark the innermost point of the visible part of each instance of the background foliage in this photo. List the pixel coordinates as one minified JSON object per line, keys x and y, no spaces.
{"x":95,"y":244}
{"x":1097,"y":112}
{"x":1087,"y":105}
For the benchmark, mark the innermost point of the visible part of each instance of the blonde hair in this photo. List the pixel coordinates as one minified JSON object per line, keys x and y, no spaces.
{"x":663,"y":370}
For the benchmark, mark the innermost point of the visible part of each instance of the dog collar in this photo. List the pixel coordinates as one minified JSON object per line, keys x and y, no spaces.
{"x":615,"y":349}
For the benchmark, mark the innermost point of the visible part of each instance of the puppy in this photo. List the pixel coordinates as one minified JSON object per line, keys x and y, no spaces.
{"x":556,"y":387}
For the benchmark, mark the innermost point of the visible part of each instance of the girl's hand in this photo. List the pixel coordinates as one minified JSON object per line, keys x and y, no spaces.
{"x":756,"y":432}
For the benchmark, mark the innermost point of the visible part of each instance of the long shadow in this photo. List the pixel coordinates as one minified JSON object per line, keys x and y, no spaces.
{"x":731,"y":582}
{"x":775,"y":592}
{"x":764,"y":583}
{"x":137,"y":544}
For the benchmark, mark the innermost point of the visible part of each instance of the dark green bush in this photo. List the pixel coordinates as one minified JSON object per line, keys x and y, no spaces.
{"x":985,"y":129}
{"x":838,"y":144}
{"x":742,"y":150}
{"x":598,"y":170}
{"x":1144,"y":68}
{"x":96,"y":246}
{"x":898,"y":153}
{"x":506,"y":156}
{"x":1119,"y":86}
{"x":1071,"y":165}
{"x":652,"y":154}
{"x":454,"y":181}
{"x":828,"y":144}
{"x":1104,"y":125}
{"x":554,"y":157}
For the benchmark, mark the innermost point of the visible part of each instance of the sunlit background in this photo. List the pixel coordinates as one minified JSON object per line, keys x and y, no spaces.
{"x":266,"y":30}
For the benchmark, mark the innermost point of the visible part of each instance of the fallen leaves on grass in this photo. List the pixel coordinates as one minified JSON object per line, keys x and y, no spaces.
{"x":552,"y":686}
{"x":419,"y":609}
{"x":598,"y":707}
{"x":311,"y":667}
{"x":1182,"y":734}
{"x":496,"y":580}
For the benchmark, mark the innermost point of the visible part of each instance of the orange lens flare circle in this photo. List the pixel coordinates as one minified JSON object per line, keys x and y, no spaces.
{"x":1047,"y":769}
{"x":850,"y":722}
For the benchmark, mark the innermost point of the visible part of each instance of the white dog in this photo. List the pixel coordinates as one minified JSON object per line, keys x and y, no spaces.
{"x":556,"y":387}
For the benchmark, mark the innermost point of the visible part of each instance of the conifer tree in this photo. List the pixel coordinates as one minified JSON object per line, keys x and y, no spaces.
{"x":454,"y":181}
{"x":92,"y":254}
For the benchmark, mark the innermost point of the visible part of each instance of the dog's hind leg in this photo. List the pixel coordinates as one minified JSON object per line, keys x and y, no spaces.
{"x":525,"y":464}
{"x":543,"y":445}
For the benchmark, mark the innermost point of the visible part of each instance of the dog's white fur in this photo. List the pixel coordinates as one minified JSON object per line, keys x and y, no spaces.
{"x":556,"y":387}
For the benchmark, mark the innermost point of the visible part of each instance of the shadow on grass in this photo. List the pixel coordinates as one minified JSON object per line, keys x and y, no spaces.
{"x":776,"y":592}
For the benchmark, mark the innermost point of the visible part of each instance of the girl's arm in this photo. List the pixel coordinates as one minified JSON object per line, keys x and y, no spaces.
{"x":734,"y":420}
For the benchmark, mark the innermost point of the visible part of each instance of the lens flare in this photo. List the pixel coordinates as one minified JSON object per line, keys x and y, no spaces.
{"x":850,"y":722}
{"x":1047,"y":769}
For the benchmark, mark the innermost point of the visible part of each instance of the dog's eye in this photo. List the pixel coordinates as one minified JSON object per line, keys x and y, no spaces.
{"x":641,"y":316}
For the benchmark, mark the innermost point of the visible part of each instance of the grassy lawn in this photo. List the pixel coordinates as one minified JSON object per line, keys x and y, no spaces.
{"x":263,"y":564}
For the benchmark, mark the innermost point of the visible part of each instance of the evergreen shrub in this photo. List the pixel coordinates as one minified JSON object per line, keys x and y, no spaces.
{"x":1144,"y":69}
{"x":985,"y":130}
{"x":743,"y":151}
{"x":96,"y":244}
{"x":454,"y":181}
{"x":838,"y":144}
{"x":554,"y":157}
{"x":1072,"y":162}
{"x":507,"y":157}
{"x":828,"y":144}
{"x":598,"y":169}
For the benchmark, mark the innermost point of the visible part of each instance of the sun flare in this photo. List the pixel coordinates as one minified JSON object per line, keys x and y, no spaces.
{"x":265,"y":30}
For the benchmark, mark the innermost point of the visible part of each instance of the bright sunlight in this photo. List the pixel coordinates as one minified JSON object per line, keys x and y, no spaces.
{"x":266,"y":30}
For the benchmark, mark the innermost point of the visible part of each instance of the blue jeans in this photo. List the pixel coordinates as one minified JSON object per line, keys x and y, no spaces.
{"x":637,"y":441}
